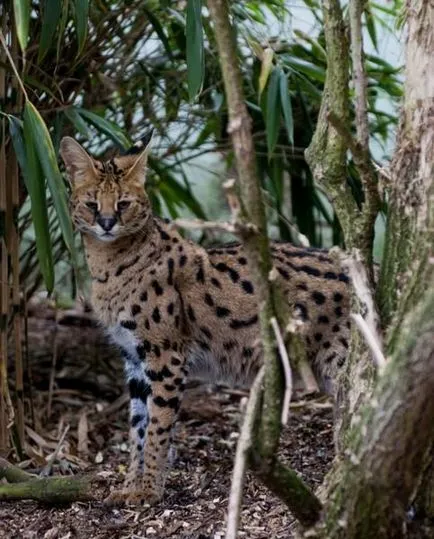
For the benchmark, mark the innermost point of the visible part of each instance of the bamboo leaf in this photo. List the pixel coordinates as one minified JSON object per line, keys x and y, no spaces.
{"x":195,"y":52}
{"x":107,"y":127}
{"x":16,"y":133}
{"x":50,"y":19}
{"x":159,"y":31}
{"x":47,"y":157}
{"x":77,"y":121}
{"x":62,"y":26}
{"x":22,"y":19}
{"x":370,"y":24}
{"x":285,"y":101}
{"x":266,"y":65}
{"x":35,"y":184}
{"x":81,"y":19}
{"x":273,"y":111}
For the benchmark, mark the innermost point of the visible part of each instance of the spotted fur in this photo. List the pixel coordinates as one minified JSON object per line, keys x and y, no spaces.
{"x":174,"y":308}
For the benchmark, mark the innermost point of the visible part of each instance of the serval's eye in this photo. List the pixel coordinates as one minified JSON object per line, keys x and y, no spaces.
{"x":93,"y":206}
{"x":123,"y":205}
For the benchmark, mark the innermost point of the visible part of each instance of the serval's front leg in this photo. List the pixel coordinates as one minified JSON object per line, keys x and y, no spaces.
{"x":155,"y":401}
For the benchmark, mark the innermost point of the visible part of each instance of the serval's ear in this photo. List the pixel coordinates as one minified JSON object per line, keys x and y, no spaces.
{"x":134,"y":161}
{"x":79,"y":164}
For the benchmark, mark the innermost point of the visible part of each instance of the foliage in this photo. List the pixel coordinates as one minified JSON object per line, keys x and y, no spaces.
{"x":105,"y":71}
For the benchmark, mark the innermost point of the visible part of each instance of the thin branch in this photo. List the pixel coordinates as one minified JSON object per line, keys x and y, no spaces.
{"x":286,"y":369}
{"x":243,"y":446}
{"x":371,"y":340}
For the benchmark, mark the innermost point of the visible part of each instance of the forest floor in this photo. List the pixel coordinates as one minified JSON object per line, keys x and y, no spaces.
{"x":197,"y":487}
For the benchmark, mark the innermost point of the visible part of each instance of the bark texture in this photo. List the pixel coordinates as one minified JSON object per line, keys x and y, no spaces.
{"x":387,"y":448}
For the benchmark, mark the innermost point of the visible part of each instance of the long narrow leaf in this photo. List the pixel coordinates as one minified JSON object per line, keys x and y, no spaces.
{"x":16,"y":133}
{"x":195,"y":53}
{"x":35,"y":183}
{"x":62,"y":26}
{"x":50,"y":19}
{"x":77,"y":121}
{"x":158,"y":30}
{"x":107,"y":127}
{"x":47,"y":157}
{"x":22,"y":19}
{"x":81,"y":19}
{"x":285,"y":101}
{"x":273,"y":111}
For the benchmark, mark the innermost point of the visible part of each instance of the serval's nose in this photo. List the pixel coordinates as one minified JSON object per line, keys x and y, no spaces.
{"x":106,"y":223}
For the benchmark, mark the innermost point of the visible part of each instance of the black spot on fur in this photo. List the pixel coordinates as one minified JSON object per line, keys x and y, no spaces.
{"x":215,"y":282}
{"x":337,"y":296}
{"x":330,"y":358}
{"x":182,"y":261}
{"x":136,"y":419}
{"x":175,"y":361}
{"x":238,"y":324}
{"x":200,"y":275}
{"x":191,"y":314}
{"x":338,"y":311}
{"x":144,"y":296}
{"x":344,"y":278}
{"x":326,"y":345}
{"x":166,"y":344}
{"x":318,"y":297}
{"x":141,"y":352}
{"x":248,"y":287}
{"x":157,"y":288}
{"x":159,"y":376}
{"x":247,"y":352}
{"x":156,"y":317}
{"x":335,"y":328}
{"x":283,"y":273}
{"x":221,"y":312}
{"x":147,"y":346}
{"x":323,"y":319}
{"x":302,"y":286}
{"x":156,"y":350}
{"x":317,"y":337}
{"x":167,"y":403}
{"x":141,"y":432}
{"x":242,"y":260}
{"x":302,"y":310}
{"x":135,"y":309}
{"x":129,"y":324}
{"x":170,"y":266}
{"x":122,"y":267}
{"x":229,"y":345}
{"x":139,"y":389}
{"x":208,"y":300}
{"x":170,"y":308}
{"x":344,"y":342}
{"x":224,"y":268}
{"x":206,"y":332}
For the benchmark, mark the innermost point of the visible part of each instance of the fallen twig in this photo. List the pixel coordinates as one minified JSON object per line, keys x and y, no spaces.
{"x":243,"y":447}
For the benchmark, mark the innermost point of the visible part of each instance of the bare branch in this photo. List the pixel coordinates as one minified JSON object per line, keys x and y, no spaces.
{"x":243,"y":447}
{"x":286,"y":369}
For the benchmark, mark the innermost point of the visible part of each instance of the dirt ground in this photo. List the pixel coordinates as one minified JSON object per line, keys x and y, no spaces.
{"x":197,"y":488}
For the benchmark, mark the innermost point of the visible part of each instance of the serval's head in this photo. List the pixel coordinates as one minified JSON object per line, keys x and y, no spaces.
{"x":108,"y":199}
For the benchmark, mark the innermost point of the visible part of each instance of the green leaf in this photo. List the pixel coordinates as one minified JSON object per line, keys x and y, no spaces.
{"x":50,"y":19}
{"x":266,"y":66}
{"x":22,"y":19}
{"x":285,"y":101}
{"x":158,"y":30}
{"x":195,"y":53}
{"x":370,"y":24}
{"x":107,"y":127}
{"x":81,"y":18}
{"x":77,"y":121}
{"x":35,"y":184}
{"x":273,"y":111}
{"x":47,"y":157}
{"x":62,"y":26}
{"x":16,"y":132}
